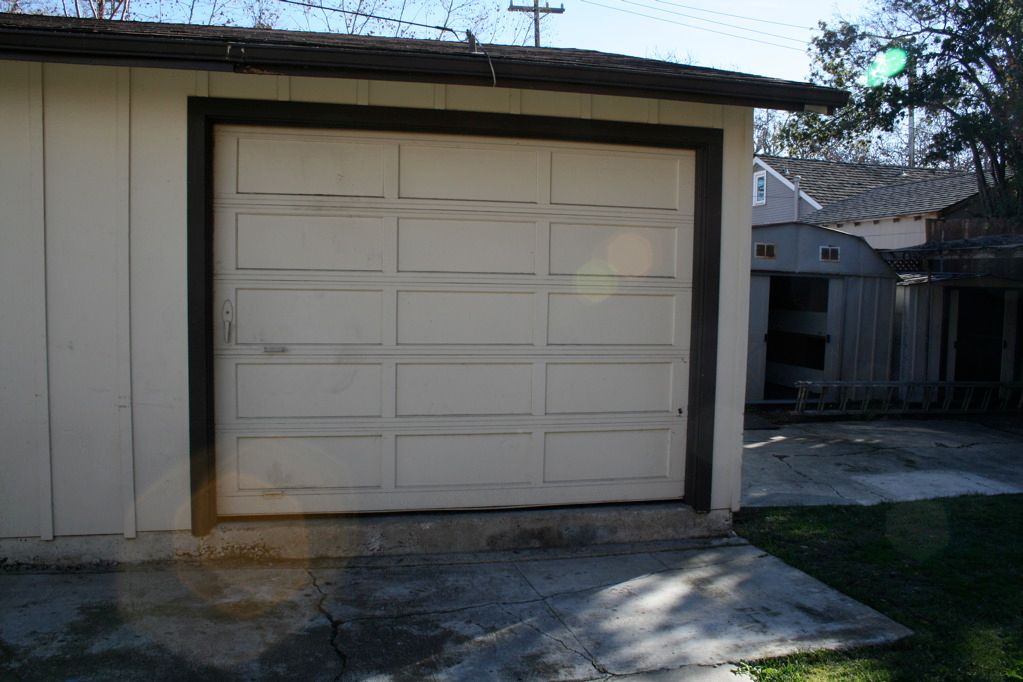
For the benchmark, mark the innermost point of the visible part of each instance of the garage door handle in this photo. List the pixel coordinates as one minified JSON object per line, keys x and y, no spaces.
{"x":227,"y":314}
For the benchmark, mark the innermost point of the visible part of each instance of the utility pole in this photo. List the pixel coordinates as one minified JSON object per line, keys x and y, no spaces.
{"x":911,"y":120}
{"x":912,"y":138}
{"x":537,"y":11}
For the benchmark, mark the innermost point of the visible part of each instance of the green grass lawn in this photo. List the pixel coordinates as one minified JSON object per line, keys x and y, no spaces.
{"x":950,"y":569}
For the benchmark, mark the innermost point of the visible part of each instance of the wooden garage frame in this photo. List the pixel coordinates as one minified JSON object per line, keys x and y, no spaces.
{"x":205,"y":113}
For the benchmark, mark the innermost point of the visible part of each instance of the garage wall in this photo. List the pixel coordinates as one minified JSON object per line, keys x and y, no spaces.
{"x":24,"y":427}
{"x":93,"y":185}
{"x":736,"y":221}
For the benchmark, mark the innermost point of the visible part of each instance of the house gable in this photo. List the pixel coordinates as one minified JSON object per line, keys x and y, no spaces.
{"x":779,"y":197}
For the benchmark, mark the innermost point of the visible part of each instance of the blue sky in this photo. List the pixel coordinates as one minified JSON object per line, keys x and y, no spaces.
{"x":763,"y":37}
{"x":593,"y":24}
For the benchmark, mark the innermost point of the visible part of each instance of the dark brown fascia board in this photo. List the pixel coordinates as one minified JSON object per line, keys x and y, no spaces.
{"x":469,"y":69}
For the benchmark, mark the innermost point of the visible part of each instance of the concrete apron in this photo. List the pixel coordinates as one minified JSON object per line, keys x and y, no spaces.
{"x":385,"y":535}
{"x":663,"y":611}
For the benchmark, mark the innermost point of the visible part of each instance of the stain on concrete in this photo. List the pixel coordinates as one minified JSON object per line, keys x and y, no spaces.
{"x":530,"y":538}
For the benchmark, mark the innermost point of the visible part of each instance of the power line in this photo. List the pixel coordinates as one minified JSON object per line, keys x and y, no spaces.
{"x":712,"y":21}
{"x":368,"y":16}
{"x":698,"y":28}
{"x":735,"y":16}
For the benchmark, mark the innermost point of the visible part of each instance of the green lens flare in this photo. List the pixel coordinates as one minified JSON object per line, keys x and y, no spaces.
{"x":889,"y":63}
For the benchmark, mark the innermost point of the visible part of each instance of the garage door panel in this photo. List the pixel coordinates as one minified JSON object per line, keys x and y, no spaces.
{"x":313,"y":167}
{"x":464,"y":389}
{"x":578,"y":388}
{"x":308,"y":390}
{"x":615,"y":180}
{"x":473,"y":173}
{"x":296,"y":462}
{"x":458,"y":497}
{"x":607,"y":455}
{"x":305,"y":242}
{"x":449,"y":317}
{"x":313,"y":316}
{"x":619,"y":250}
{"x":431,"y":322}
{"x":463,"y":459}
{"x":610,"y":319}
{"x":472,"y":246}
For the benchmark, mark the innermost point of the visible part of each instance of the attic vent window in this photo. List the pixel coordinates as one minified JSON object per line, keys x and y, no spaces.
{"x":831,"y":254}
{"x":763,"y":250}
{"x":760,"y":188}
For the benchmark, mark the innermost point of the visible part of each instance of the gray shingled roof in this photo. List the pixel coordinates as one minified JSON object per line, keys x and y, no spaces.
{"x":831,"y":181}
{"x":907,"y":198}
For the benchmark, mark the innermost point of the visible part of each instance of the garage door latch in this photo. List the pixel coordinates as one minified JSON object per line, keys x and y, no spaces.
{"x":227,"y":314}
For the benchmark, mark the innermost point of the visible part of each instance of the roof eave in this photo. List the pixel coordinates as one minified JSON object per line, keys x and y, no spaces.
{"x":62,"y":45}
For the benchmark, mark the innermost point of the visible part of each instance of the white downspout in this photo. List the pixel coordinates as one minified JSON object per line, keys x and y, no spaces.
{"x":795,"y":201}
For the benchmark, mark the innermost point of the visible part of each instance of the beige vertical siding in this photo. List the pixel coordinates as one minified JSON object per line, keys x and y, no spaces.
{"x":24,"y":429}
{"x":734,"y":307}
{"x":112,"y":425}
{"x":86,"y":207}
{"x":158,"y":291}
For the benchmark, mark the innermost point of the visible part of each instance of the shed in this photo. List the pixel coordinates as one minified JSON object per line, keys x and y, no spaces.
{"x":821,"y":309}
{"x":958,"y":309}
{"x":259,"y":274}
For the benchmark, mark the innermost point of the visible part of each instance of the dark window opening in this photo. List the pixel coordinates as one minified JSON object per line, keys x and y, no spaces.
{"x":800,"y":350}
{"x":808,"y":294}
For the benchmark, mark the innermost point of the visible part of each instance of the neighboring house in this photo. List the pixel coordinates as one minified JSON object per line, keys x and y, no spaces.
{"x":889,"y":206}
{"x":821,"y":309}
{"x":898,"y":216}
{"x":265,"y":273}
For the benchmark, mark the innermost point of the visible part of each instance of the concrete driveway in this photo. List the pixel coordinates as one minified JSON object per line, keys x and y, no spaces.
{"x":867,"y":462}
{"x":664,"y":611}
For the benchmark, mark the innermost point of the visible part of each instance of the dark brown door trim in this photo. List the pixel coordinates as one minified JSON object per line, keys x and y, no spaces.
{"x":205,"y":113}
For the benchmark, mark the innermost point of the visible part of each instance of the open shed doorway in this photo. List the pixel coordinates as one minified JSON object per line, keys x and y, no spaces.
{"x":984,"y":342}
{"x":797,"y":334}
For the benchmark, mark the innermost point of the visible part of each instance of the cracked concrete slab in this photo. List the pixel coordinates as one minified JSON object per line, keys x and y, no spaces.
{"x":704,"y":614}
{"x":230,"y":624}
{"x":487,"y":642}
{"x":924,"y":485}
{"x":396,"y":591}
{"x":656,"y":611}
{"x":864,"y":463}
{"x":551,"y":577}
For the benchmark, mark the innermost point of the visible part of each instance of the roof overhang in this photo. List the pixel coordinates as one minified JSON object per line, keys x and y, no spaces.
{"x":59,"y":39}
{"x":879,"y":218}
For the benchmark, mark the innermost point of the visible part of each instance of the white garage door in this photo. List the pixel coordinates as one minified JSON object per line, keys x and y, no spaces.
{"x":438,"y":322}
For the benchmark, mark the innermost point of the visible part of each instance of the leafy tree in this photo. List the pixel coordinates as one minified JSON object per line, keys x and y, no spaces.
{"x":767,"y":125}
{"x":963,"y":78}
